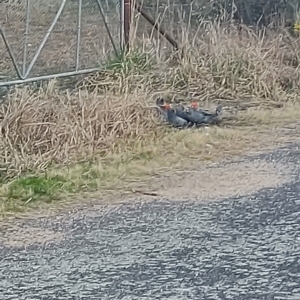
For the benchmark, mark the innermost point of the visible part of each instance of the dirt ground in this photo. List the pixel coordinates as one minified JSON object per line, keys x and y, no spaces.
{"x":235,"y":176}
{"x":199,"y":183}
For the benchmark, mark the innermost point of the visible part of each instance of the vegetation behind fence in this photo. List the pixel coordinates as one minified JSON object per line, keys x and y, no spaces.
{"x":101,"y":34}
{"x":250,"y":12}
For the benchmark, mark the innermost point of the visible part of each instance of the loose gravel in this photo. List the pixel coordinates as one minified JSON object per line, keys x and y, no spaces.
{"x":242,"y":247}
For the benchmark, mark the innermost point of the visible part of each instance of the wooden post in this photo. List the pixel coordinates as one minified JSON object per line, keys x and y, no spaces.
{"x":127,"y":22}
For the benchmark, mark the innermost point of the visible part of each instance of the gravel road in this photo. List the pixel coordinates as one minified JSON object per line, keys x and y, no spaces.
{"x":239,"y":248}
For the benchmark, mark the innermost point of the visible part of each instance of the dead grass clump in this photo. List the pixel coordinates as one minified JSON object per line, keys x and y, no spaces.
{"x":37,"y":130}
{"x":124,"y":74}
{"x":235,"y":66}
{"x":108,"y":114}
{"x":229,"y":64}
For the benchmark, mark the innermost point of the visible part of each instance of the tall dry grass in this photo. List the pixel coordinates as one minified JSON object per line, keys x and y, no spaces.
{"x":109,"y":111}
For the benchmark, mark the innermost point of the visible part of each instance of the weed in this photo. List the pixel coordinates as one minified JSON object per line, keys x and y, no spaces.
{"x":128,"y":62}
{"x":42,"y":188}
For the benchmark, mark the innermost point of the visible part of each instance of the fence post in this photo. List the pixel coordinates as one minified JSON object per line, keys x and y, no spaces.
{"x":122,"y":24}
{"x":127,"y":10}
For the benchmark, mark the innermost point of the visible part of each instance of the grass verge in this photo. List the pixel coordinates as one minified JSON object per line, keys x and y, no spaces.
{"x":105,"y":137}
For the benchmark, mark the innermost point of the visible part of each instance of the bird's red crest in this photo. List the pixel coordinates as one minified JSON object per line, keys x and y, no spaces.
{"x":166,"y":106}
{"x":194,"y":104}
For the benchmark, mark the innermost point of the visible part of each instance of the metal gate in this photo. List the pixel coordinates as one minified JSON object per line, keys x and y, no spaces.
{"x":44,"y":39}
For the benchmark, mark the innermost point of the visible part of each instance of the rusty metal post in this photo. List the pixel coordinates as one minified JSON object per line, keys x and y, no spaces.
{"x":157,"y":26}
{"x":127,"y":22}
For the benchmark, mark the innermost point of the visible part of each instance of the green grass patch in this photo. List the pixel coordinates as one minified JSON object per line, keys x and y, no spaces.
{"x":43,"y":188}
{"x":127,"y":63}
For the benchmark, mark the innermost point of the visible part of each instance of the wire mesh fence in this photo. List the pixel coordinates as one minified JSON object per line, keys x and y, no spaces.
{"x":250,"y":12}
{"x":49,"y":38}
{"x":173,"y":18}
{"x":53,"y":37}
{"x":188,"y":14}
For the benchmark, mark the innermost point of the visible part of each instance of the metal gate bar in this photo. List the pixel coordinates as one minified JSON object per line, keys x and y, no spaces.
{"x":23,"y":76}
{"x":48,"y":32}
{"x":26,"y":36}
{"x":47,"y":77}
{"x":78,"y":34}
{"x":106,"y":26}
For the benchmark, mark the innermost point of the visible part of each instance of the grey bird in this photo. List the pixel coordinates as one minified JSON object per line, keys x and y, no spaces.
{"x":194,"y":116}
{"x":162,"y":108}
{"x":180,"y":112}
{"x":195,"y":106}
{"x":207,"y":118}
{"x":212,"y":118}
{"x":174,"y":120}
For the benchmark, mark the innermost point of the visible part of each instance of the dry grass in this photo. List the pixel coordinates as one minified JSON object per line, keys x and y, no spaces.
{"x":105,"y":135}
